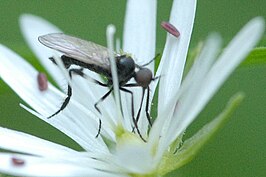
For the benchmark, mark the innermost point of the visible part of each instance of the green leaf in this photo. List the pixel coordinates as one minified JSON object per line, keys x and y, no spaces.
{"x":256,"y":57}
{"x":192,"y":146}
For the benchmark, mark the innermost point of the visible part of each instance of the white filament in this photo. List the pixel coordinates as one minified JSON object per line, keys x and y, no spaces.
{"x":110,"y":31}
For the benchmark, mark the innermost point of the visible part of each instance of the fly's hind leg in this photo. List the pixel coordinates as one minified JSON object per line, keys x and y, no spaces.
{"x":69,"y":91}
{"x":79,"y":71}
{"x":146,"y":107}
{"x":65,"y":103}
{"x":82,"y":74}
{"x":132,"y":109}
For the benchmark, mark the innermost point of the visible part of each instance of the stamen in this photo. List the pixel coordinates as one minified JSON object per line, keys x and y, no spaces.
{"x":42,"y":81}
{"x":170,"y":28}
{"x":17,"y":162}
{"x":110,"y":44}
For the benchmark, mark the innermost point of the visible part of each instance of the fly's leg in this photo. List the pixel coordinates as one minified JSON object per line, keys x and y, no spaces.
{"x":132,"y":101}
{"x":101,"y":99}
{"x":147,"y":107}
{"x":69,"y":89}
{"x":66,"y":61}
{"x":140,"y":107}
{"x":141,"y":102}
{"x":65,"y":103}
{"x":82,"y":74}
{"x":96,"y":107}
{"x":147,"y":101}
{"x":132,"y":109}
{"x":69,"y":93}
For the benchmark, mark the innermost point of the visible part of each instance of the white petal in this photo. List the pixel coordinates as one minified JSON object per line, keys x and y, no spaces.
{"x":22,"y":78}
{"x":25,"y":143}
{"x":188,"y":91}
{"x":36,"y":166}
{"x":232,"y":56}
{"x":87,"y":94}
{"x":175,"y":52}
{"x":32,"y":27}
{"x":140,"y":29}
{"x":139,"y":40}
{"x":81,"y":130}
{"x":236,"y":52}
{"x":134,"y":156}
{"x":172,"y":63}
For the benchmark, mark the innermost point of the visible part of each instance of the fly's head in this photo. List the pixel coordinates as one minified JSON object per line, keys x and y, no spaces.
{"x":143,"y":77}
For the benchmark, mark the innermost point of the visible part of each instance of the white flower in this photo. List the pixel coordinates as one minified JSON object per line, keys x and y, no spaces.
{"x":121,"y":152}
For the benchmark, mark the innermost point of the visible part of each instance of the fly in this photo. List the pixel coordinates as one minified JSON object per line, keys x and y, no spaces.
{"x":94,"y":57}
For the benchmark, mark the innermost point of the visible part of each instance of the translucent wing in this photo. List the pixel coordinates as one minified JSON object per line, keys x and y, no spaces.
{"x":85,"y":51}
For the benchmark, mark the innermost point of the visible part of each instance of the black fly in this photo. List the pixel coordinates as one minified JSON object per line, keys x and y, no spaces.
{"x":95,"y":57}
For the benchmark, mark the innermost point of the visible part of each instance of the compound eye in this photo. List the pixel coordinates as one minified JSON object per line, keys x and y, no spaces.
{"x":143,"y":77}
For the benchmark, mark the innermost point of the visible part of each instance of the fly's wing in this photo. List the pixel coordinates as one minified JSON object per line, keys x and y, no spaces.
{"x":85,"y":51}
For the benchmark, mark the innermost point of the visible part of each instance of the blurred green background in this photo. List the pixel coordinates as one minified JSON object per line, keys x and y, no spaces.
{"x":237,"y":150}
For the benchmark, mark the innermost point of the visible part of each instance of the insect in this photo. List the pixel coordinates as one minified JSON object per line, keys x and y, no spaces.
{"x":94,"y":57}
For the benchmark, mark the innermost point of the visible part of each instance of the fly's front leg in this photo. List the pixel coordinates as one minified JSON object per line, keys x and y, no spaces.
{"x":147,"y":107}
{"x":132,"y":109}
{"x":141,"y":102}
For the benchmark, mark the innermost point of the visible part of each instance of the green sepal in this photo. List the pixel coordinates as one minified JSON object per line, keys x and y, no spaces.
{"x":256,"y":57}
{"x":192,"y":146}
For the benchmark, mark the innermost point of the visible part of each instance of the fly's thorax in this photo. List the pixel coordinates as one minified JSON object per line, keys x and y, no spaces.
{"x":125,"y":68}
